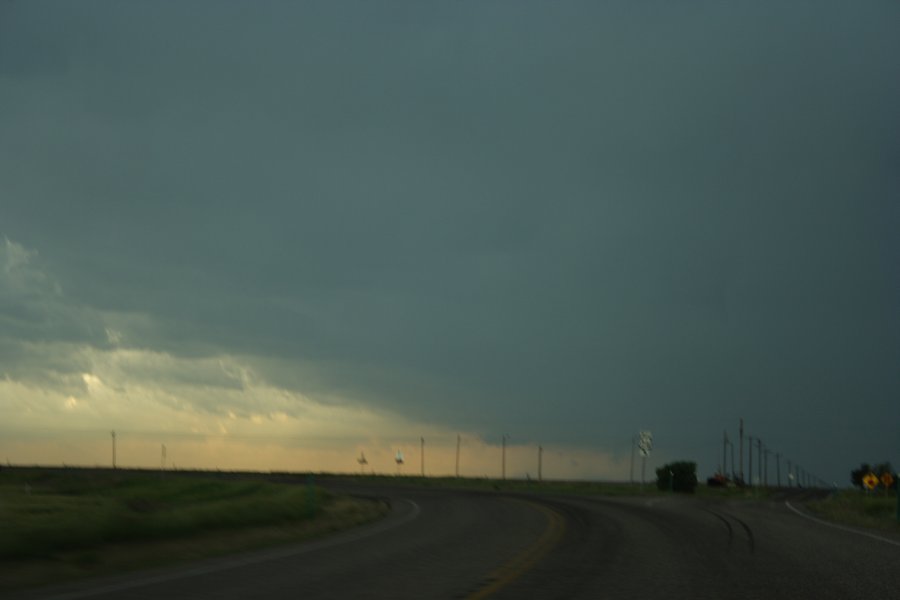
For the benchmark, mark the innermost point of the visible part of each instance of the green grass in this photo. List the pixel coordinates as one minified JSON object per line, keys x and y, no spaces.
{"x":44,"y":512}
{"x":855,"y":508}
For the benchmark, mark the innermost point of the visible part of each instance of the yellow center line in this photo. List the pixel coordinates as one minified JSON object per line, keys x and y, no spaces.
{"x":525,"y":560}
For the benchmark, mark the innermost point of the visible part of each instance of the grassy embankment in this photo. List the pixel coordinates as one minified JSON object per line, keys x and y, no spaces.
{"x":855,"y":508}
{"x":65,"y":523}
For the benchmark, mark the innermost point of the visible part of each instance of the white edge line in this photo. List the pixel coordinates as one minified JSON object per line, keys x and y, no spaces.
{"x":841,"y":527}
{"x":256,"y":558}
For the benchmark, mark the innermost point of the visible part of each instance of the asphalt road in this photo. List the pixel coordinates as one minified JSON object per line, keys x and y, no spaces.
{"x":452,"y":544}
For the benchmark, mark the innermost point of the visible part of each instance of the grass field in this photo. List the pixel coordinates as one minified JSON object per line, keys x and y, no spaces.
{"x":855,"y":508}
{"x":59,"y":523}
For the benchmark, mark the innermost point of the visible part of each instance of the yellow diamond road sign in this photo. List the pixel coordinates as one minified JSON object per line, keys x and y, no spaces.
{"x":887,"y":480}
{"x":870,"y":481}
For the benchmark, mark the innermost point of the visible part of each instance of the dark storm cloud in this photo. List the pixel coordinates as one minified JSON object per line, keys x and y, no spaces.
{"x":38,"y":327}
{"x":569,"y":222}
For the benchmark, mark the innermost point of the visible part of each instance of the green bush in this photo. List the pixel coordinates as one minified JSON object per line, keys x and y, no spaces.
{"x":856,"y":475}
{"x":679,"y":476}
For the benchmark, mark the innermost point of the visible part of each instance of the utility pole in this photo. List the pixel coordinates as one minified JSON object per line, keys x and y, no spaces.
{"x":759,"y":457}
{"x":457,"y":455}
{"x":778,"y":468}
{"x":724,"y":453}
{"x":113,"y":432}
{"x":766,"y":471}
{"x":540,"y":463}
{"x":503,"y":464}
{"x":741,"y":451}
{"x":162,"y":463}
{"x":733,"y":474}
{"x":423,"y":456}
{"x":750,"y":460}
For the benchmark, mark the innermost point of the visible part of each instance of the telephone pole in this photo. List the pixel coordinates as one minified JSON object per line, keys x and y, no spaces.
{"x":733,"y":474}
{"x":724,"y":454}
{"x":457,"y":455}
{"x":423,"y":456}
{"x":741,"y":452}
{"x":113,"y":432}
{"x":750,"y":459}
{"x":540,"y":463}
{"x":759,"y":457}
{"x":503,"y":463}
{"x":778,"y":468}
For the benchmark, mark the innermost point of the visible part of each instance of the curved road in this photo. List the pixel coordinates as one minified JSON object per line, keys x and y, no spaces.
{"x":456,"y":544}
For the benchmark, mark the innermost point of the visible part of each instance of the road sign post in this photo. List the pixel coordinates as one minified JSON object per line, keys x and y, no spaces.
{"x":633,"y":444}
{"x":645,"y":444}
{"x":643,"y":469}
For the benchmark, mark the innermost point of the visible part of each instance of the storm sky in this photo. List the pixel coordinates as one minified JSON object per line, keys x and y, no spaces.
{"x":276,"y":235}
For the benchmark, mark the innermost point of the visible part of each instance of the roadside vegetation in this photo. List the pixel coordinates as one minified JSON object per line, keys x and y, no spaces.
{"x":858,"y":509}
{"x":57,"y":523}
{"x":873,"y":504}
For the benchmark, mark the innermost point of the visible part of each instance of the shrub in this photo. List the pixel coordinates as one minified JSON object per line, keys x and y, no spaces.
{"x":679,"y":476}
{"x":856,"y":475}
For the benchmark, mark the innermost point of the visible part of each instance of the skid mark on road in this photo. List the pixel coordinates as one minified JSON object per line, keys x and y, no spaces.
{"x":724,"y":518}
{"x":724,"y":522}
{"x":750,"y":539}
{"x":841,"y":527}
{"x":522,"y":562}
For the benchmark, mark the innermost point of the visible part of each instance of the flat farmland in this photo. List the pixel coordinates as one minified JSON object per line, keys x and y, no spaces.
{"x":69,"y":523}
